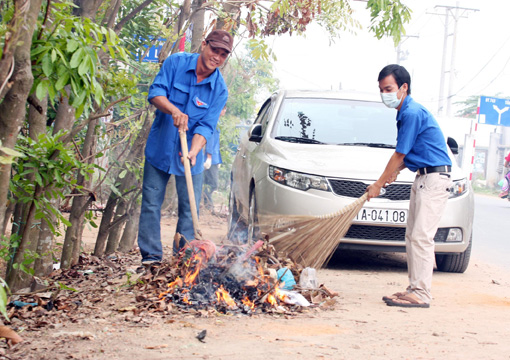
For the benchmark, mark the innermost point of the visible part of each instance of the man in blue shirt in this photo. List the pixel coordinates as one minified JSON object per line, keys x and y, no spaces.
{"x":189,"y":93}
{"x":212,"y":165}
{"x":421,"y":147}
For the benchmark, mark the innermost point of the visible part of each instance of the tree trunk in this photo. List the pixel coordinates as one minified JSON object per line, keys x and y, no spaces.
{"x":130,"y":233}
{"x":135,"y":153}
{"x":167,"y":48}
{"x":13,"y":106}
{"x":87,"y":8}
{"x":18,"y":278}
{"x":65,"y":117}
{"x":111,"y":14}
{"x":117,"y":226}
{"x":198,"y":25}
{"x":72,"y":241}
{"x":104,"y":227}
{"x":14,"y":32}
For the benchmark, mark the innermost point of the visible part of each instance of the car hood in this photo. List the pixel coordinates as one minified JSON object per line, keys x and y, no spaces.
{"x":351,"y":162}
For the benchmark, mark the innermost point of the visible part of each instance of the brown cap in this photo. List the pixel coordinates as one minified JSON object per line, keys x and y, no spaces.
{"x":220,"y":39}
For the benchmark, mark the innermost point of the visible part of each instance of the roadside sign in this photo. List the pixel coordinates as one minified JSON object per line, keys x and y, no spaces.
{"x":153,"y":53}
{"x":494,"y":111}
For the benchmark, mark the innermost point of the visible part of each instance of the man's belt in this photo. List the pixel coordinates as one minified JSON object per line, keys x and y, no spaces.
{"x":434,"y":169}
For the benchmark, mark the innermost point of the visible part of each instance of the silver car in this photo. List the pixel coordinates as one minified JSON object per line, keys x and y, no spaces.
{"x":312,"y":153}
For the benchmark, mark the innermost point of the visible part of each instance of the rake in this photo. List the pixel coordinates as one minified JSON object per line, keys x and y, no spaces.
{"x":312,"y":240}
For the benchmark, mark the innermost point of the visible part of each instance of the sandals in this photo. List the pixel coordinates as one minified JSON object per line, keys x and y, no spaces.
{"x":407,"y":301}
{"x":394,"y":296}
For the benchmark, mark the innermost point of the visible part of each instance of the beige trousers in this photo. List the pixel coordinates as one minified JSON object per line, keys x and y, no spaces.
{"x":429,"y":194}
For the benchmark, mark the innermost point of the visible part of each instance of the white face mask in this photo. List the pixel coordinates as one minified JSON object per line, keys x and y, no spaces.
{"x":391,"y":100}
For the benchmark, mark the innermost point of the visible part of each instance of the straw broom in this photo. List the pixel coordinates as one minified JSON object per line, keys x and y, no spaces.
{"x":312,"y":240}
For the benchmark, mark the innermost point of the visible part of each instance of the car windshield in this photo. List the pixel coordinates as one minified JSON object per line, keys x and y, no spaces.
{"x":336,"y":121}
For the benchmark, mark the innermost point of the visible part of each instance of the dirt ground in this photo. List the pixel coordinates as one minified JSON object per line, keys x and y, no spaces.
{"x":468,"y":319}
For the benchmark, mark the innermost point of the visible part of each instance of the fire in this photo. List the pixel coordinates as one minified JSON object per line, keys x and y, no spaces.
{"x":198,"y":286}
{"x":192,"y":274}
{"x":223,"y":296}
{"x":247,"y":302}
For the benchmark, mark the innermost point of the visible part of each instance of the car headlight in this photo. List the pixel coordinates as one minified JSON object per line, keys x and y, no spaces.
{"x":458,"y":188}
{"x":298,"y":180}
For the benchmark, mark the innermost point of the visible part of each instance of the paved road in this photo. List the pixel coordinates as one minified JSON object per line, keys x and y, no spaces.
{"x":491,"y":233}
{"x":491,"y":241}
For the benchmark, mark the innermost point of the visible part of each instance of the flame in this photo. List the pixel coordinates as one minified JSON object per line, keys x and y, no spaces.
{"x":222,"y":295}
{"x":246,"y":301}
{"x":271,"y":299}
{"x":192,"y":274}
{"x":174,"y":284}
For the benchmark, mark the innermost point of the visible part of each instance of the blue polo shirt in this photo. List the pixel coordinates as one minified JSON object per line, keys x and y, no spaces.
{"x":419,"y":137}
{"x":202,"y":102}
{"x":213,"y":147}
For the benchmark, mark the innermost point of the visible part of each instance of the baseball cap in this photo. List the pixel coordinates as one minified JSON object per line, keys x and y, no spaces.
{"x":220,"y":39}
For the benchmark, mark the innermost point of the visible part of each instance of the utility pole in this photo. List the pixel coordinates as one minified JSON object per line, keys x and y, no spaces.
{"x":457,"y":13}
{"x":399,"y":50}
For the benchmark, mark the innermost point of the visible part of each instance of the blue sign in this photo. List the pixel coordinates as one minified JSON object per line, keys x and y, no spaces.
{"x":494,"y":111}
{"x":153,"y":53}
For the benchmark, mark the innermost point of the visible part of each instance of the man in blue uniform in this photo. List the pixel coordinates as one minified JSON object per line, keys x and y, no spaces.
{"x":189,"y":93}
{"x":421,"y":147}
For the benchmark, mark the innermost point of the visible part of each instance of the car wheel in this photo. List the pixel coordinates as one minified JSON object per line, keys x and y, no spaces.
{"x":253,"y":229}
{"x":454,"y":263}
{"x":236,"y":228}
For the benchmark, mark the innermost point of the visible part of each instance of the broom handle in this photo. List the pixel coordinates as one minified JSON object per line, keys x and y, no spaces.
{"x":189,"y":184}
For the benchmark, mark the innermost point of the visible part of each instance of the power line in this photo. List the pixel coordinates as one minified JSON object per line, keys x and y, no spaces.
{"x":484,"y":66}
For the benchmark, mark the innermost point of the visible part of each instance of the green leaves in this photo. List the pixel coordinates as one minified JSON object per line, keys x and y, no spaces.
{"x":3,"y":298}
{"x":46,"y":171}
{"x":7,"y":155}
{"x":388,"y":18}
{"x":68,"y":55}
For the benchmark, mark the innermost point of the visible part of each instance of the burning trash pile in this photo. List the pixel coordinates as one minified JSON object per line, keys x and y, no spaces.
{"x":234,"y":279}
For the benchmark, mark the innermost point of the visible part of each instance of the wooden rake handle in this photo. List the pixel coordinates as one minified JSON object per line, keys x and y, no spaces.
{"x":189,"y":184}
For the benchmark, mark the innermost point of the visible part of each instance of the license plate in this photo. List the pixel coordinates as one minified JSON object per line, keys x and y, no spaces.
{"x":382,"y":216}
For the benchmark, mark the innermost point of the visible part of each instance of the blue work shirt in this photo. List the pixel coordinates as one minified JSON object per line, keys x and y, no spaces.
{"x":202,"y":102}
{"x":419,"y":137}
{"x":213,"y":147}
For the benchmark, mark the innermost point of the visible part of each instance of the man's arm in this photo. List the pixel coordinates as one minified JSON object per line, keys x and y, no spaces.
{"x":395,"y":164}
{"x":197,"y":143}
{"x":164,"y":105}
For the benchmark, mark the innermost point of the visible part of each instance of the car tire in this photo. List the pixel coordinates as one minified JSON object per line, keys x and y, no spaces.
{"x":253,"y":229}
{"x":236,"y":228}
{"x":454,"y":263}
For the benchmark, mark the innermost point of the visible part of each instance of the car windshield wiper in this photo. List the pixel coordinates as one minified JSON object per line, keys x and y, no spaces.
{"x":379,"y":145}
{"x":298,"y":140}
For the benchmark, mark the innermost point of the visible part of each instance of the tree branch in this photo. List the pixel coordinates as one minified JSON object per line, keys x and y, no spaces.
{"x":131,"y":15}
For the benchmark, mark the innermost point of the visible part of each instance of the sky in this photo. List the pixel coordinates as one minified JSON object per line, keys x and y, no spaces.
{"x":354,"y":61}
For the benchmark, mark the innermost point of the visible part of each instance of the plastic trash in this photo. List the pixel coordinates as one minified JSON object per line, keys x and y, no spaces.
{"x":294,"y":298}
{"x":308,"y":279}
{"x":287,"y":280}
{"x":20,"y":304}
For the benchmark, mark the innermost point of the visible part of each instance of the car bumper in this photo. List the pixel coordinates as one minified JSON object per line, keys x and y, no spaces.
{"x":278,"y":200}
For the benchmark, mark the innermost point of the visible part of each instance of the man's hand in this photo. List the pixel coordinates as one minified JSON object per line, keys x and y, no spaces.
{"x":180,"y":120}
{"x":373,"y":190}
{"x":207,"y":163}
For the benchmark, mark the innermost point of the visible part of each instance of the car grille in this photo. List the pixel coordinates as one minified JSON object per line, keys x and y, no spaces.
{"x":387,"y":233}
{"x":357,"y":188}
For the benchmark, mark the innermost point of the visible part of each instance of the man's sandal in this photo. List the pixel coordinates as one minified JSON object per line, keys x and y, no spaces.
{"x":394,"y":296}
{"x":407,"y":301}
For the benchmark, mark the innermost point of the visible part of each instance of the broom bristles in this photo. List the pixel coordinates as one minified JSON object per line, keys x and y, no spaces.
{"x":312,"y":240}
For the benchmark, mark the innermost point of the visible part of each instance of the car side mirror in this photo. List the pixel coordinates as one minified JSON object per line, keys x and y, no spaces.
{"x":452,"y":144}
{"x":255,"y":133}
